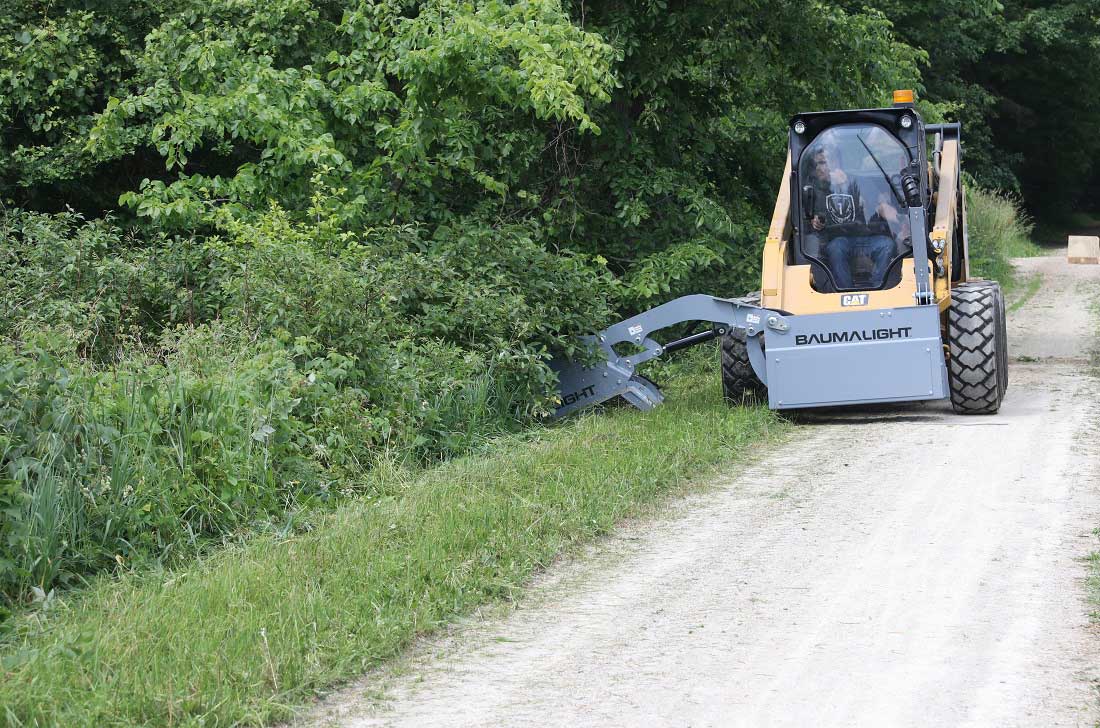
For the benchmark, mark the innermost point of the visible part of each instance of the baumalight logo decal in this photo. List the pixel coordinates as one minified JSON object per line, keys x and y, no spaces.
{"x":854,"y":299}
{"x":574,"y":397}
{"x":844,"y":337}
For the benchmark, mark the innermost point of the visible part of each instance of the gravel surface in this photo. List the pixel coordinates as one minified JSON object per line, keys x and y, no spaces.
{"x":900,"y":566}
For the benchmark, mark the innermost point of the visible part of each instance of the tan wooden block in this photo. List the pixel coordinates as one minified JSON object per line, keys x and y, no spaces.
{"x":1084,"y":249}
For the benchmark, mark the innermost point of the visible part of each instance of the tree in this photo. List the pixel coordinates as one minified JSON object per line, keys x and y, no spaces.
{"x":677,"y":189}
{"x":59,"y":62}
{"x":1019,"y":76}
{"x":1043,"y":74}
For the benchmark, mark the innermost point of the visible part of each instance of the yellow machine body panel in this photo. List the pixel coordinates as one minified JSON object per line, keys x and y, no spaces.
{"x":796,"y":294}
{"x":943,"y":226}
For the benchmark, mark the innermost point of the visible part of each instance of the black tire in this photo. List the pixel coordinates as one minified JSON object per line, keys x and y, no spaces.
{"x":1002,"y":344}
{"x":978,"y":364}
{"x":740,"y":384}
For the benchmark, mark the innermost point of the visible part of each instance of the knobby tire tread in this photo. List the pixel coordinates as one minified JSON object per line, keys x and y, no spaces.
{"x":977,"y":342}
{"x":740,"y":384}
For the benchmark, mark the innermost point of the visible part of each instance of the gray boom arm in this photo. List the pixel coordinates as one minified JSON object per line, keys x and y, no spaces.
{"x":583,"y":386}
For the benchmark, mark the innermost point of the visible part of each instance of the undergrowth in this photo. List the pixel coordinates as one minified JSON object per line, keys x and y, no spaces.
{"x":999,"y":230}
{"x":250,"y":632}
{"x":159,"y":400}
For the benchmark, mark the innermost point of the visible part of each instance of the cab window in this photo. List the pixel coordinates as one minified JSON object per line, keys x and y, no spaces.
{"x":854,"y":220}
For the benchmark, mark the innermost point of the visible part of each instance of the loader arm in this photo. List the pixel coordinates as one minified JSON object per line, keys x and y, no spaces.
{"x":583,"y":385}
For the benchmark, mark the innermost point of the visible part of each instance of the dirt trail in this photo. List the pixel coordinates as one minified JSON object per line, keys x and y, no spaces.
{"x":898,"y":567}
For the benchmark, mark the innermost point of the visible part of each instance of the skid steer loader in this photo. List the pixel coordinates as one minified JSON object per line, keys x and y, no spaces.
{"x":865,"y":292}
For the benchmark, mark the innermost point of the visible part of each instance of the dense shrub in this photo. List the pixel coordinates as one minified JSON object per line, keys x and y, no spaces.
{"x":102,"y":284}
{"x":420,"y":317}
{"x":130,"y":433}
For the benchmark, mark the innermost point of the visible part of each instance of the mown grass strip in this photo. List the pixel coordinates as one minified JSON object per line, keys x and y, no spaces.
{"x":251,"y":633}
{"x":1025,"y":293}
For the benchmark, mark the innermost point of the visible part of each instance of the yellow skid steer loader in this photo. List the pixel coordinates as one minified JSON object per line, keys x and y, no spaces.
{"x":865,"y":294}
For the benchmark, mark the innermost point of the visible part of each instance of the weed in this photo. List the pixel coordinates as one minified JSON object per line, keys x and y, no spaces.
{"x":248,"y":633}
{"x":999,"y":231}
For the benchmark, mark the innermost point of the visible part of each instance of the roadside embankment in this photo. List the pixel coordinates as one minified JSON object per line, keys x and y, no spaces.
{"x":999,"y":230}
{"x":246,"y":635}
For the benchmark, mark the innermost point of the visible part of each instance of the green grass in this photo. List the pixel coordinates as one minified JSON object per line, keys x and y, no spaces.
{"x":1024,"y":291}
{"x":249,"y":634}
{"x":999,"y":231}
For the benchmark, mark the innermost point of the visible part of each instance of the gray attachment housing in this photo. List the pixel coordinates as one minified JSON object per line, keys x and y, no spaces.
{"x":583,"y":386}
{"x":857,"y":357}
{"x":813,"y":360}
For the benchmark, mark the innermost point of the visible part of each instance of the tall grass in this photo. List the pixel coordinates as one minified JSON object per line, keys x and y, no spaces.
{"x":999,"y":230}
{"x":128,"y":436}
{"x":105,"y":469}
{"x":248,"y":634}
{"x":200,"y":439}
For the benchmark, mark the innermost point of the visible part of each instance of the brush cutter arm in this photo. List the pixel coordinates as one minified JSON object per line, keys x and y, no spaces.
{"x":583,"y":386}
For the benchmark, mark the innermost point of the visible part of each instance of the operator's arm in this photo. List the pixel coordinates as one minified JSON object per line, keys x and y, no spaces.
{"x":889,"y":213}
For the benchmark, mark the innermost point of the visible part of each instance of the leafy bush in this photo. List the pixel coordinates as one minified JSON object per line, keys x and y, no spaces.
{"x":100,"y":283}
{"x":422,"y":319}
{"x":130,"y":434}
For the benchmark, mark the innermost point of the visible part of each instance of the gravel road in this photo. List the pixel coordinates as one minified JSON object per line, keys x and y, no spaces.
{"x":895,"y":567}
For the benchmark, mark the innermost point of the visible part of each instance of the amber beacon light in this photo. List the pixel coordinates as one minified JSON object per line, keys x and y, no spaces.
{"x":903,"y":96}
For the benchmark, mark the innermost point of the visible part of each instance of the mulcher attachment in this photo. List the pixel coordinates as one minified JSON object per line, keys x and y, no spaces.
{"x":584,"y":385}
{"x":978,"y":363}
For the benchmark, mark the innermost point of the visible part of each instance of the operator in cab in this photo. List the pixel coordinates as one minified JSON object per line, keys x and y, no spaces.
{"x":850,"y":222}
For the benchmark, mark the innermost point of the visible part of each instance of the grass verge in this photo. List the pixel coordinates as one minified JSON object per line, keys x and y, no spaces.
{"x":247,"y":635}
{"x":999,"y":231}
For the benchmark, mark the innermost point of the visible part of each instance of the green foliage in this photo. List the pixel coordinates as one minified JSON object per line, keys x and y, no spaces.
{"x":1020,"y":75}
{"x":102,"y":285}
{"x":253,"y":632}
{"x":366,"y":225}
{"x":420,"y":317}
{"x":130,"y":434}
{"x":414,"y":110}
{"x":999,"y":230}
{"x":102,"y":468}
{"x":58,"y":64}
{"x":616,"y":130}
{"x":1048,"y":109}
{"x":676,"y":191}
